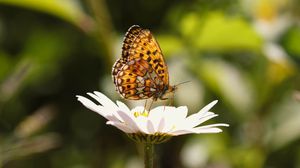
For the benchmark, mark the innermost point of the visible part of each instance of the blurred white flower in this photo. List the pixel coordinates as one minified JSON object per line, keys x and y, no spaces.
{"x":271,"y":30}
{"x":156,"y":126}
{"x":271,"y":19}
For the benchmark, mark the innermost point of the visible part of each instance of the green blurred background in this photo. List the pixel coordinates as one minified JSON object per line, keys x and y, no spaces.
{"x":245,"y":53}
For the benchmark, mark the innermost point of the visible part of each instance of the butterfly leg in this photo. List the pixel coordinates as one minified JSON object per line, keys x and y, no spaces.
{"x":148,"y":108}
{"x":171,"y":102}
{"x":164,"y":98}
{"x":171,"y":99}
{"x":145,"y":106}
{"x":151,"y":104}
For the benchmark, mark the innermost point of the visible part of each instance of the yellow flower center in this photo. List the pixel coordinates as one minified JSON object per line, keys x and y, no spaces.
{"x":144,"y":113}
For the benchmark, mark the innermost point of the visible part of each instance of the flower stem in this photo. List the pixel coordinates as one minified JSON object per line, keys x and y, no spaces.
{"x":148,"y":155}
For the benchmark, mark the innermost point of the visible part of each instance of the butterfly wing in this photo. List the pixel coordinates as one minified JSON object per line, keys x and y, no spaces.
{"x":135,"y":80}
{"x":141,"y":72}
{"x":140,"y":43}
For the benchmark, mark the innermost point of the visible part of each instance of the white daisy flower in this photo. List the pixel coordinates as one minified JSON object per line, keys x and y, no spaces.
{"x":154,"y":126}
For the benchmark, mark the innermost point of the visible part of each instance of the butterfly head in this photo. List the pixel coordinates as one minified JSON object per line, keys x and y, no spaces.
{"x":171,"y":89}
{"x":167,"y":89}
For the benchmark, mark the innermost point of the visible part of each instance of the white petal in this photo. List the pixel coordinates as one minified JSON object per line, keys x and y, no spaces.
{"x":207,"y":130}
{"x":183,"y":111}
{"x":161,"y":125}
{"x":150,"y":127}
{"x":141,"y":122}
{"x":170,"y":120}
{"x":110,"y":106}
{"x":181,"y":132}
{"x":164,"y":118}
{"x":203,"y":111}
{"x":196,"y":131}
{"x":129,"y":120}
{"x":205,"y":118}
{"x":192,"y":122}
{"x":96,"y":108}
{"x":179,"y":117}
{"x":208,"y":107}
{"x":112,"y":116}
{"x":105,"y":101}
{"x":123,"y":107}
{"x":155,"y":113}
{"x":158,"y":110}
{"x":208,"y":113}
{"x":156,"y":116}
{"x":212,"y":125}
{"x":168,"y":127}
{"x":120,"y":126}
{"x":168,"y":112}
{"x":89,"y":104}
{"x":179,"y":114}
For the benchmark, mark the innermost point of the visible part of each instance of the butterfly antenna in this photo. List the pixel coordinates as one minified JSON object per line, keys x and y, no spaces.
{"x":181,"y":83}
{"x":173,"y":92}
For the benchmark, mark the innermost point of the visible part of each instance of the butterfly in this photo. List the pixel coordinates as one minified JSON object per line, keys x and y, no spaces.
{"x":141,"y":72}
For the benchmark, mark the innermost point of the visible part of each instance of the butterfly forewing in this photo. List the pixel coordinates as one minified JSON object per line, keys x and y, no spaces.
{"x":141,"y":72}
{"x":140,"y":43}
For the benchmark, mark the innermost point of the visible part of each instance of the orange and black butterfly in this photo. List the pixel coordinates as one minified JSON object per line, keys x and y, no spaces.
{"x":141,"y":72}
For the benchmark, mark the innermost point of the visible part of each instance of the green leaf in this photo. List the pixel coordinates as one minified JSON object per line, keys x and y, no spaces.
{"x":221,"y":33}
{"x":292,"y":41}
{"x":169,"y":44}
{"x":6,"y":65}
{"x":67,"y":10}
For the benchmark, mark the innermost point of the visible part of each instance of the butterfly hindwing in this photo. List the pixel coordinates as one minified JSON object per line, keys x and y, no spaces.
{"x":136,"y":80}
